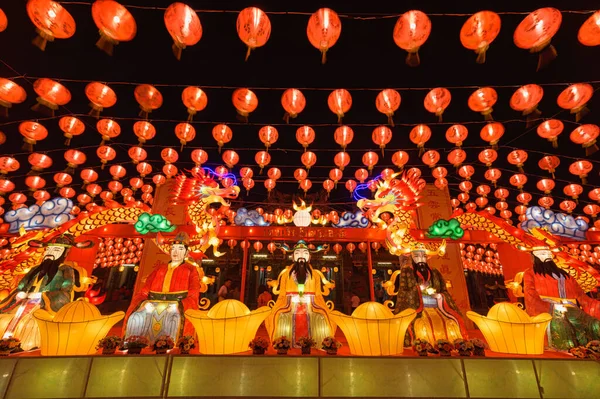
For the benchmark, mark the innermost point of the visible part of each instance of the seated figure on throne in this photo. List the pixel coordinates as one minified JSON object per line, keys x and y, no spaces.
{"x":159,"y":307}
{"x":550,"y":289}
{"x":48,"y":286}
{"x":418,"y":286}
{"x":300,"y":309}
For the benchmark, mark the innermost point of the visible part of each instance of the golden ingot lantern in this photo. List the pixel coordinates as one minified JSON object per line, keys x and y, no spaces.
{"x":227,"y":327}
{"x":373,"y":330}
{"x":74,"y":330}
{"x":508,"y":329}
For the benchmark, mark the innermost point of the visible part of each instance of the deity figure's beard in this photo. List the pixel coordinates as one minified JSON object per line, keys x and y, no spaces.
{"x":422,"y":272}
{"x":49,"y":267}
{"x":547,"y":268}
{"x":302,"y":270}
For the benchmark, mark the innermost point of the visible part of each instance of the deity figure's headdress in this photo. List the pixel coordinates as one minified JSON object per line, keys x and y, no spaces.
{"x":64,"y":240}
{"x":181,"y":238}
{"x":303,"y":245}
{"x":429,"y":249}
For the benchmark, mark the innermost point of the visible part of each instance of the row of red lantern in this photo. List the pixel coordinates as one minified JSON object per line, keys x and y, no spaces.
{"x":482,"y":258}
{"x":324,"y":28}
{"x":585,"y":252}
{"x":116,"y":251}
{"x":337,"y":248}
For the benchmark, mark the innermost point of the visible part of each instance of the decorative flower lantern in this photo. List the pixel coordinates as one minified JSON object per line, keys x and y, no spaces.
{"x":419,"y":135}
{"x":492,"y":132}
{"x":115,"y":22}
{"x":245,"y":102}
{"x":400,"y":158}
{"x":550,"y":130}
{"x":100,"y":96}
{"x":222,"y":135}
{"x":589,"y":33}
{"x":536,"y":31}
{"x":381,"y":136}
{"x":71,"y":127}
{"x":253,"y":27}
{"x":194,"y":99}
{"x":575,"y":99}
{"x":51,"y":95}
{"x":10,"y":93}
{"x":108,"y":129}
{"x":185,"y":133}
{"x":586,"y":135}
{"x":339,"y":102}
{"x":343,"y":136}
{"x":482,"y":100}
{"x":437,"y":100}
{"x":411,"y":32}
{"x":293,"y":103}
{"x":323,"y":30}
{"x":479,"y":31}
{"x":32,"y":132}
{"x":388,"y":102}
{"x":183,"y":25}
{"x":51,"y":20}
{"x":526,"y":100}
{"x":305,"y":135}
{"x":149,"y":99}
{"x":268,"y":135}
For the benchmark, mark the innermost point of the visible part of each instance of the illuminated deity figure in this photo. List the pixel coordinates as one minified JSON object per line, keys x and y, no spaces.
{"x":300,"y":309}
{"x":158,"y":308}
{"x":50,"y":285}
{"x":422,"y":288}
{"x":550,"y":289}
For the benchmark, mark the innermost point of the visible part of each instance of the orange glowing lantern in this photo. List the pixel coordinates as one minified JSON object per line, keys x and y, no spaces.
{"x":339,"y":102}
{"x":568,"y":206}
{"x":488,"y":156}
{"x":524,"y":198}
{"x":10,"y":93}
{"x":550,"y":130}
{"x":400,"y":158}
{"x":199,"y":157}
{"x":100,"y":96}
{"x":336,"y":175}
{"x":263,"y":158}
{"x":518,"y":180}
{"x":586,"y":136}
{"x":466,"y":172}
{"x":410,"y":32}
{"x":323,"y":30}
{"x":88,"y":176}
{"x":246,"y":173}
{"x":536,"y":31}
{"x":305,"y":185}
{"x":115,"y":22}
{"x":549,"y":163}
{"x":183,"y":25}
{"x":144,"y":169}
{"x":388,"y":102}
{"x":482,"y":100}
{"x":159,"y":180}
{"x":3,"y":21}
{"x":465,"y":186}
{"x":419,"y":135}
{"x":305,"y":135}
{"x":222,"y":134}
{"x":71,"y":127}
{"x":51,"y":95}
{"x":308,"y":159}
{"x":431,"y":158}
{"x":589,"y":33}
{"x":573,"y":191}
{"x":440,"y":183}
{"x":268,"y":135}
{"x":370,"y":159}
{"x":32,"y":132}
{"x":149,"y":99}
{"x":62,"y":179}
{"x":456,"y":134}
{"x":6,"y":186}
{"x":492,"y":132}
{"x":328,"y":185}
{"x":105,"y":153}
{"x":526,"y":100}
{"x":456,"y":157}
{"x":437,"y":100}
{"x":343,"y":136}
{"x":300,"y":174}
{"x":381,"y":136}
{"x":8,"y":164}
{"x":117,"y":172}
{"x":39,"y":161}
{"x":185,"y":133}
{"x":51,"y":20}
{"x":341,"y":160}
{"x":245,"y":102}
{"x":594,"y":194}
{"x":253,"y":28}
{"x":274,"y":173}
{"x":361,"y":175}
{"x":109,"y":129}
{"x":137,"y":154}
{"x":169,"y":170}
{"x":293,"y":103}
{"x":231,"y":158}
{"x":169,"y":155}
{"x":248,"y":185}
{"x":517,"y":158}
{"x":144,"y":131}
{"x":479,"y":31}
{"x":582,"y":169}
{"x":493,"y":175}
{"x":575,"y":99}
{"x":350,"y":185}
{"x":592,"y":210}
{"x":74,"y":159}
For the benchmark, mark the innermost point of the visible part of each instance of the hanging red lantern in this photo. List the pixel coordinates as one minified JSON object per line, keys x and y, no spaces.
{"x":339,"y":102}
{"x":524,"y":198}
{"x":105,"y":153}
{"x":419,"y":135}
{"x":159,"y":180}
{"x":343,"y":136}
{"x":479,"y":31}
{"x":253,"y":28}
{"x":592,"y":210}
{"x":456,"y":134}
{"x":437,"y":100}
{"x":32,"y":132}
{"x":400,"y":158}
{"x":170,"y":170}
{"x":431,"y":158}
{"x":550,"y":130}
{"x":410,"y":32}
{"x":493,"y":175}
{"x":169,"y":155}
{"x":328,"y":186}
{"x":308,"y":159}
{"x":10,"y":93}
{"x":115,"y":22}
{"x":8,"y":164}
{"x":483,"y":190}
{"x":440,"y":183}
{"x":573,"y":191}
{"x":231,"y":158}
{"x":575,"y":99}
{"x":439,"y":172}
{"x":492,"y":132}
{"x":88,"y":176}
{"x":245,"y":102}
{"x":274,"y":173}
{"x":466,"y":171}
{"x":39,"y":161}
{"x":263,"y":158}
{"x":62,"y":179}
{"x":300,"y":174}
{"x":246,"y":172}
{"x":100,"y":96}
{"x":518,"y":180}
{"x":482,"y":101}
{"x":199,"y":157}
{"x":536,"y":31}
{"x":71,"y":127}
{"x":456,"y":157}
{"x":341,"y":160}
{"x":183,"y":25}
{"x":185,"y":133}
{"x":361,"y":175}
{"x":305,"y":135}
{"x":222,"y":134}
{"x":6,"y":186}
{"x":149,"y":99}
{"x":270,"y":185}
{"x":568,"y":206}
{"x":350,"y":185}
{"x":51,"y":95}
{"x":526,"y":100}
{"x":144,"y":130}
{"x":293,"y":103}
{"x":517,"y":158}
{"x":144,"y":169}
{"x":323,"y":30}
{"x":549,"y":163}
{"x":589,"y":33}
{"x":381,"y":136}
{"x":305,"y":185}
{"x":51,"y":20}
{"x":336,"y":175}
{"x":370,"y":159}
{"x":117,"y":172}
{"x":248,"y":184}
{"x":388,"y":102}
{"x":581,"y":169}
{"x":194,"y":99}
{"x":74,"y":159}
{"x":586,"y":135}
{"x":268,"y":135}
{"x":137,"y":154}
{"x":3,"y":21}
{"x":488,"y":156}
{"x":108,"y":129}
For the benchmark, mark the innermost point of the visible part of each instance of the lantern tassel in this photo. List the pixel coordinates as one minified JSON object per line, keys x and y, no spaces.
{"x":286,"y":117}
{"x":391,"y":120}
{"x":95,"y":111}
{"x":44,"y":107}
{"x":69,"y":169}
{"x":143,"y":114}
{"x":439,"y":115}
{"x":4,"y":109}
{"x":592,"y":149}
{"x":382,"y":151}
{"x":521,"y":169}
{"x":191,"y":113}
{"x":42,"y":39}
{"x":555,"y":143}
{"x":106,"y":44}
{"x":242,"y":118}
{"x":412,"y":59}
{"x":481,"y":55}
{"x":248,"y":53}
{"x":177,"y":50}
{"x":27,"y":146}
{"x":532,"y":117}
{"x":580,"y":112}
{"x":546,"y":56}
{"x":68,"y":141}
{"x":323,"y":56}
{"x":488,"y":115}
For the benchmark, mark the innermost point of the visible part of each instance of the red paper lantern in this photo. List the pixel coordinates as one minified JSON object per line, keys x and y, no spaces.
{"x":231,"y":158}
{"x":8,"y":164}
{"x":582,"y":169}
{"x":71,"y":127}
{"x":115,"y":23}
{"x":550,"y":130}
{"x":419,"y":135}
{"x":456,"y":134}
{"x":253,"y":27}
{"x":144,"y":169}
{"x":245,"y":102}
{"x":586,"y":135}
{"x":536,"y":31}
{"x":137,"y":154}
{"x":194,"y":99}
{"x":341,"y":160}
{"x":343,"y":136}
{"x":370,"y":159}
{"x":456,"y":157}
{"x":105,"y":153}
{"x":549,"y":163}
{"x":74,"y":159}
{"x":305,"y":135}
{"x":100,"y":96}
{"x":293,"y":103}
{"x":400,"y":158}
{"x":32,"y":132}
{"x":263,"y":158}
{"x":51,"y":95}
{"x":482,"y":101}
{"x":3,"y":21}
{"x":388,"y":102}
{"x":589,"y":33}
{"x":492,"y":132}
{"x":10,"y":93}
{"x":183,"y":25}
{"x":339,"y":102}
{"x":169,"y":155}
{"x":479,"y":31}
{"x":575,"y":99}
{"x":39,"y":161}
{"x":410,"y":32}
{"x":437,"y":100}
{"x":148,"y":97}
{"x":222,"y":135}
{"x":268,"y":135}
{"x":308,"y":159}
{"x":108,"y":129}
{"x":144,"y":130}
{"x":51,"y":20}
{"x":381,"y":136}
{"x":526,"y":100}
{"x":323,"y":30}
{"x":185,"y":133}
{"x":199,"y":157}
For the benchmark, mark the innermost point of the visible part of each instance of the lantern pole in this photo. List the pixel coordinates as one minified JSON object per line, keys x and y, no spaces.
{"x":244,"y":271}
{"x":370,"y":271}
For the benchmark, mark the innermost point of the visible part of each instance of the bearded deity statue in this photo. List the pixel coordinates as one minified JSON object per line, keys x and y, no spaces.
{"x":550,"y":289}
{"x":158,"y":308}
{"x":418,"y":286}
{"x":48,"y":286}
{"x":300,"y":309}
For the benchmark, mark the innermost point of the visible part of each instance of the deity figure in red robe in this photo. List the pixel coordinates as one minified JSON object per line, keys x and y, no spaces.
{"x":159,"y":307}
{"x":300,"y":309}
{"x":550,"y":289}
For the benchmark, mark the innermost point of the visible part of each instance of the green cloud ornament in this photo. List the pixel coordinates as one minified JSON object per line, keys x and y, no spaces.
{"x":148,"y":223}
{"x":446,"y":229}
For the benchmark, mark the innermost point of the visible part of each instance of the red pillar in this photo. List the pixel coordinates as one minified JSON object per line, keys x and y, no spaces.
{"x":370,"y":271}
{"x":244,"y":271}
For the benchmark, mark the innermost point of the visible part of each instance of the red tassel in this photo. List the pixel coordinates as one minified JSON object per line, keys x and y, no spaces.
{"x":413,"y":60}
